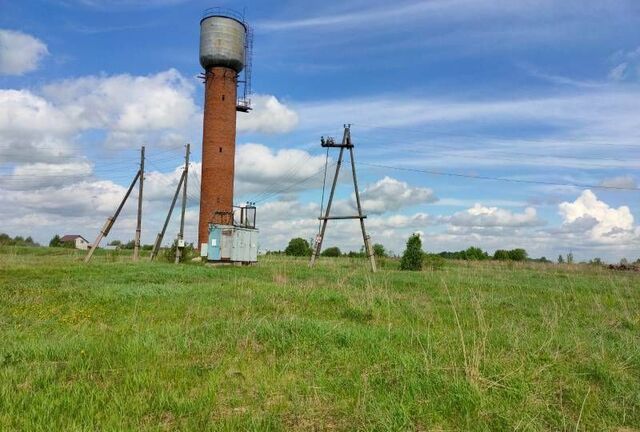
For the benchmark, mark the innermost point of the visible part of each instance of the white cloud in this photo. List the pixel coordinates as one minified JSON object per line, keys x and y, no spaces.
{"x":625,"y":181}
{"x":627,"y":65}
{"x":260,"y":169}
{"x":19,"y":52}
{"x":127,"y":4}
{"x":156,"y":109}
{"x":602,"y":223}
{"x":268,"y":115}
{"x":618,"y":73}
{"x":389,"y":194}
{"x":127,"y":103}
{"x":97,"y":198}
{"x":486,"y":217}
{"x":377,"y":15}
{"x":45,"y":175}
{"x":32,"y":129}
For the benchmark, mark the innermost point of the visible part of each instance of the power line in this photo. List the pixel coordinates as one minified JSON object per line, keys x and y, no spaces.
{"x":502,"y":179}
{"x":291,"y":172}
{"x":294,"y":184}
{"x":422,"y":132}
{"x":492,"y":152}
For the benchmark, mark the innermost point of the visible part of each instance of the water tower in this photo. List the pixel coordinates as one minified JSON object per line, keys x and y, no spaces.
{"x":225,"y":55}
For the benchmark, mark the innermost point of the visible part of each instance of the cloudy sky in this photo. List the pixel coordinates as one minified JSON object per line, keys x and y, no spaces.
{"x":491,"y":123}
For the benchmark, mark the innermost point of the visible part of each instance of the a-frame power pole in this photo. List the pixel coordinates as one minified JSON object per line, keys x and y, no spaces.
{"x":346,"y":144}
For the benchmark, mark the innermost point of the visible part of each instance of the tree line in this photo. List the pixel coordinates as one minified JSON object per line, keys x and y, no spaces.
{"x":7,"y":240}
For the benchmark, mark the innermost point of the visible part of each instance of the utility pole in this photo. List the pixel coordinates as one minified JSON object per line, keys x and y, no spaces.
{"x":136,"y":247}
{"x":367,"y":244}
{"x":180,"y":245}
{"x":111,"y":220}
{"x":158,"y":243}
{"x":346,"y":144}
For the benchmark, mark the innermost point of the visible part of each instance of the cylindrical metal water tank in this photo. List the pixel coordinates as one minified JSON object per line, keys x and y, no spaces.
{"x":222,"y":42}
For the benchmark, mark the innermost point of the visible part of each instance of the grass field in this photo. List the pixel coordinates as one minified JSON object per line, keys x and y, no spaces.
{"x":117,"y":346}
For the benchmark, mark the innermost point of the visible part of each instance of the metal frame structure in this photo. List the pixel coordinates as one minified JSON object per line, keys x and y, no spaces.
{"x":243,"y":99}
{"x":346,"y":144}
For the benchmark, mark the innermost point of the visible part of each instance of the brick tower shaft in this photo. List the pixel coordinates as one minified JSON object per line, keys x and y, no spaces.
{"x":218,"y":147}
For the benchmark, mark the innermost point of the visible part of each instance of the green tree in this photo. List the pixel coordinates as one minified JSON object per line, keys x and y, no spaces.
{"x":331,"y":252}
{"x":413,"y":256}
{"x":5,"y":240}
{"x":379,"y":250}
{"x":501,"y":255}
{"x":560,"y":259}
{"x":55,"y":241}
{"x":298,"y":247}
{"x":570,"y":258}
{"x":518,"y":255}
{"x":116,"y":243}
{"x":474,"y":253}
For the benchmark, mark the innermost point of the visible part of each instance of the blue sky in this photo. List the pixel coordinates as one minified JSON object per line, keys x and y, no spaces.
{"x":541,"y":93}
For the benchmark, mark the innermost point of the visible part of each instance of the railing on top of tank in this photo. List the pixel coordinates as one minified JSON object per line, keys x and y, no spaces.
{"x":223,"y":12}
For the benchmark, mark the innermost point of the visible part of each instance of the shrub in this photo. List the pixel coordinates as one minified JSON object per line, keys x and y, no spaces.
{"x":518,"y":255}
{"x":501,"y":255}
{"x":413,"y":256}
{"x":187,"y":252}
{"x":433,"y":262}
{"x":477,"y":254}
{"x":55,"y":241}
{"x":379,"y":250}
{"x":331,"y":252}
{"x":298,"y":247}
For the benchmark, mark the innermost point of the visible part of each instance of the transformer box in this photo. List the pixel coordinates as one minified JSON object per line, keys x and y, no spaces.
{"x":231,"y":240}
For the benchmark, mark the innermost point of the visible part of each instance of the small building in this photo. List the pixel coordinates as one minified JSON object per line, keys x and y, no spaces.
{"x":232,"y":241}
{"x":78,"y":241}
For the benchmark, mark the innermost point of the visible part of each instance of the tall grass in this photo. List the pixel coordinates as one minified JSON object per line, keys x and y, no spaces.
{"x":277,"y":346}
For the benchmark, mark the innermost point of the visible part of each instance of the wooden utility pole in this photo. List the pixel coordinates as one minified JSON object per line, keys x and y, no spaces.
{"x":158,"y":243}
{"x":136,"y":246}
{"x":111,"y":220}
{"x":180,"y":245}
{"x":346,"y":144}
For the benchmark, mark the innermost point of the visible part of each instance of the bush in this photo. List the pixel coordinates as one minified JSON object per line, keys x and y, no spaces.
{"x":187,"y":252}
{"x":472,"y":253}
{"x":6,"y":240}
{"x":413,"y":256}
{"x":511,"y":255}
{"x":433,"y":262}
{"x":298,"y":247}
{"x":501,"y":255}
{"x":518,"y":255}
{"x":55,"y":241}
{"x":476,"y":254}
{"x":379,"y":250}
{"x":331,"y":252}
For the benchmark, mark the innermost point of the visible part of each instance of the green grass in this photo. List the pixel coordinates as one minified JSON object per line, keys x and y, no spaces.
{"x":152,"y":346}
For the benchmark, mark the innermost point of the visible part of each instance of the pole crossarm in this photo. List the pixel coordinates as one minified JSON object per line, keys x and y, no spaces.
{"x":342,"y":217}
